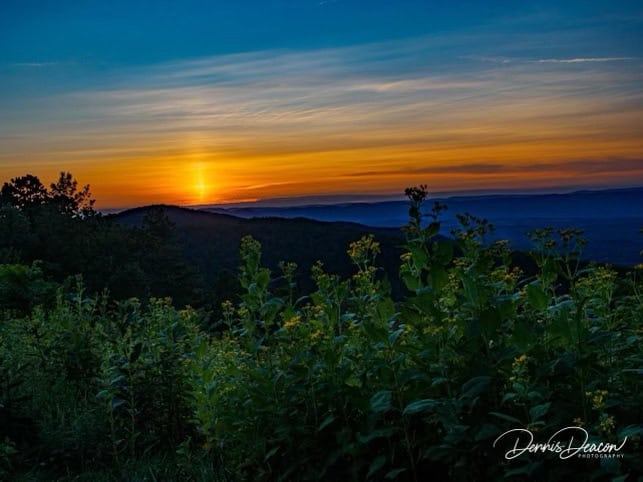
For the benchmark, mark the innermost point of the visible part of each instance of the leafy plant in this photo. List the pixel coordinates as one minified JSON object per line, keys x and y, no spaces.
{"x":345,"y":382}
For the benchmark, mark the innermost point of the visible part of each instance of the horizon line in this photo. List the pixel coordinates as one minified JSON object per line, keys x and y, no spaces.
{"x":339,"y":199}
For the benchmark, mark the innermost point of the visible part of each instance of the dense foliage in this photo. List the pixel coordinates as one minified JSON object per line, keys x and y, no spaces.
{"x":163,"y":251}
{"x":58,"y":227}
{"x":344,"y":383}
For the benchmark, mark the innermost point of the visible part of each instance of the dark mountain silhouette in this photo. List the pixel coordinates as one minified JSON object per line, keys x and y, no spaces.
{"x":211,"y":242}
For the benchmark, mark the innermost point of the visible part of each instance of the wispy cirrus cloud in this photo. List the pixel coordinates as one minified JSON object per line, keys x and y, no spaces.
{"x":576,"y":167}
{"x":574,"y":60}
{"x":367,"y":118}
{"x":582,"y":60}
{"x":34,"y":64}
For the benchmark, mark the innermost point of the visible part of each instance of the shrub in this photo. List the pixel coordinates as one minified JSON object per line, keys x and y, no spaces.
{"x":347,"y":384}
{"x":344,"y":383}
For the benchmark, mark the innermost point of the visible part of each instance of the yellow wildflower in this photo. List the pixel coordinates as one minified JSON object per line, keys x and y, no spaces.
{"x":292,"y":322}
{"x":519,"y":361}
{"x":607,"y":423}
{"x":598,"y":398}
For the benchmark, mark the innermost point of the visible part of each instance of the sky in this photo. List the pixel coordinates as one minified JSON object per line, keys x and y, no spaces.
{"x":201,"y":102}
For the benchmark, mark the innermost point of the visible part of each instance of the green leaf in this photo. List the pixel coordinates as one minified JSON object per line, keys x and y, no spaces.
{"x":420,"y":257}
{"x":471,"y":289}
{"x":353,"y":382}
{"x":375,"y":434}
{"x":508,"y":396}
{"x":118,"y":380}
{"x":327,"y":421}
{"x":475,"y":386}
{"x":392,"y":474}
{"x":443,"y":453}
{"x":381,"y":401}
{"x":385,"y":309}
{"x":424,"y":303}
{"x":560,"y":326}
{"x":432,"y":229}
{"x":508,"y":418}
{"x":506,"y":307}
{"x":534,"y":395}
{"x":263,"y":278}
{"x":537,"y":298}
{"x":420,"y":406}
{"x":376,"y":465}
{"x":523,"y":338}
{"x":539,"y":411}
{"x":630,"y":431}
{"x":439,"y":381}
{"x":487,"y":431}
{"x":439,"y":277}
{"x":443,"y":251}
{"x":271,"y":453}
{"x":394,"y":336}
{"x":136,"y":352}
{"x":457,"y":434}
{"x":490,"y":321}
{"x":103,"y":394}
{"x":410,"y":281}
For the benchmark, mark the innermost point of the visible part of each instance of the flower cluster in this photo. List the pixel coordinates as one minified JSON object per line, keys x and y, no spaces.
{"x":519,"y":369}
{"x":598,"y":398}
{"x":292,"y":322}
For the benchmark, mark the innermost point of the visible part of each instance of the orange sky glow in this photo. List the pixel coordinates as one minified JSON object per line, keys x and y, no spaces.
{"x":312,"y":123}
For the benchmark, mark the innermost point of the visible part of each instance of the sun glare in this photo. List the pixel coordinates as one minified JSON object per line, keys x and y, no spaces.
{"x":201,"y":185}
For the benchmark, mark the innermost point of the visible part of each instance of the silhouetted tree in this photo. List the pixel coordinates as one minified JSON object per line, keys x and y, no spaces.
{"x":24,"y":192}
{"x":69,"y":199}
{"x":27,"y":192}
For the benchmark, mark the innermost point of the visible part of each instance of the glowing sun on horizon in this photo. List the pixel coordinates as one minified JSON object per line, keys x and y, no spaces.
{"x":201,"y":184}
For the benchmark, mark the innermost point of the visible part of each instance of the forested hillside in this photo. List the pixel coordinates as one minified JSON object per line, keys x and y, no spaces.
{"x":161,"y":251}
{"x":342,"y":381}
{"x":210,"y":242}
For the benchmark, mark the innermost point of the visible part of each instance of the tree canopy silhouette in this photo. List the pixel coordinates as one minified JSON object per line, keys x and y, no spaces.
{"x":67,"y":196}
{"x":27,"y":192}
{"x":24,"y":192}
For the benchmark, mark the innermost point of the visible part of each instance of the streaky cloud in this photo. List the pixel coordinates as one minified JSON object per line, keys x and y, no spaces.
{"x":35,"y":64}
{"x":581,"y":60}
{"x":363,"y":118}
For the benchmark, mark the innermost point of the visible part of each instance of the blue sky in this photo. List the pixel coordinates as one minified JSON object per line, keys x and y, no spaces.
{"x":132,"y":33}
{"x":232,"y":98}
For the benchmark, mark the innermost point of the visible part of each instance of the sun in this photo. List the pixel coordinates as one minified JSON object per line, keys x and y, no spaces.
{"x":201,"y":189}
{"x":201,"y":185}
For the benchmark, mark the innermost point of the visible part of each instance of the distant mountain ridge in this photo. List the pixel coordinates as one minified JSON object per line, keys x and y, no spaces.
{"x":611,"y":218}
{"x":626,"y":202}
